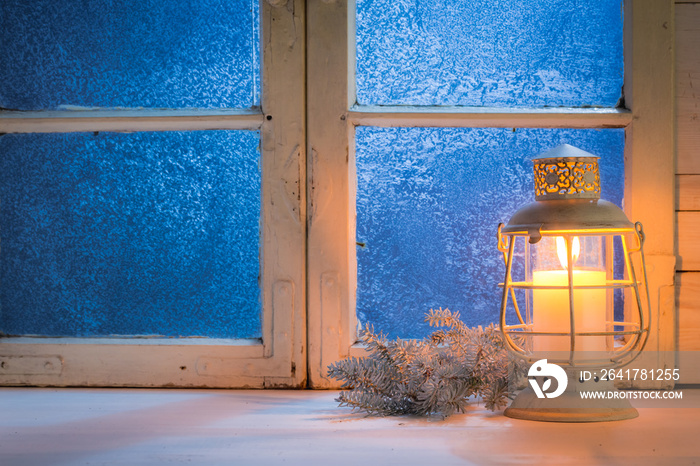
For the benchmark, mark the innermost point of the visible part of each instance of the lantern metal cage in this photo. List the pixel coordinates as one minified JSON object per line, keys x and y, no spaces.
{"x":575,"y":289}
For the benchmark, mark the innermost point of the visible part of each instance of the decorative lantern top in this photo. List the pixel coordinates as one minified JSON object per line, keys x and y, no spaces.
{"x":566,"y":172}
{"x":567,"y":194}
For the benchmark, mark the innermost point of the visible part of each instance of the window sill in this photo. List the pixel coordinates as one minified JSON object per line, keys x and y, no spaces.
{"x":129,"y":426}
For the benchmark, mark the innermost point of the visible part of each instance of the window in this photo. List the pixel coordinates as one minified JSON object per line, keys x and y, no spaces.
{"x":426,"y":196}
{"x":502,"y":54}
{"x":145,"y":233}
{"x":320,"y":126}
{"x":152,"y":211}
{"x":427,"y":199}
{"x":426,"y":97}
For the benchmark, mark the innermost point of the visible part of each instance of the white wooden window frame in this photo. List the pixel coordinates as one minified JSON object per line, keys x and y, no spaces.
{"x":279,"y":357}
{"x":333,"y":115}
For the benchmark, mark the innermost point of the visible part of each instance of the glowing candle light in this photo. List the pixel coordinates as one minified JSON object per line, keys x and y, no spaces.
{"x":551,"y":307}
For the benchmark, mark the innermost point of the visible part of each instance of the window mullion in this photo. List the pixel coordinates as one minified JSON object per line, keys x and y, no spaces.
{"x":129,"y":120}
{"x":492,"y":117}
{"x":330,"y":218}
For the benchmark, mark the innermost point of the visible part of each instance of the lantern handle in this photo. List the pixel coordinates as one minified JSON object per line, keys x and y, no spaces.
{"x":505,"y":245}
{"x":502,"y":240}
{"x":642,"y":337}
{"x":640,"y":233}
{"x":645,"y":329}
{"x":508,"y":256}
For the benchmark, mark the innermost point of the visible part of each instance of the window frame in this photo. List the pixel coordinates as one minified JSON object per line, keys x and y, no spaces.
{"x":649,"y":154}
{"x":278,"y":359}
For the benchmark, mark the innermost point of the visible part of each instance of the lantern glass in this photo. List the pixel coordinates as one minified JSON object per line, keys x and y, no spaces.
{"x":551,"y":301}
{"x":584,"y":313}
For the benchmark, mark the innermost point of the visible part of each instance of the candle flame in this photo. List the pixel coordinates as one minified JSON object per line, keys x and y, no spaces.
{"x":561,"y":250}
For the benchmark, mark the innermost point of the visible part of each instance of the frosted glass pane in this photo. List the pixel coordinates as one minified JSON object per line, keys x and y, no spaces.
{"x":128,"y":53}
{"x":130,"y":234}
{"x":429,"y":201}
{"x":493,"y":53}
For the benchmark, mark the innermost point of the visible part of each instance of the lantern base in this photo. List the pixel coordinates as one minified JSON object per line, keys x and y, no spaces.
{"x":602,"y":404}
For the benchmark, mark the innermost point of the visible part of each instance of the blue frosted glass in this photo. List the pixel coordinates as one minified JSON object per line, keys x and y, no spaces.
{"x":492,"y":53}
{"x":129,"y":53}
{"x":429,"y":201}
{"x":130,"y":234}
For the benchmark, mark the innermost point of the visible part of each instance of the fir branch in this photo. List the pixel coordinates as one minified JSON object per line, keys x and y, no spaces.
{"x":437,"y":375}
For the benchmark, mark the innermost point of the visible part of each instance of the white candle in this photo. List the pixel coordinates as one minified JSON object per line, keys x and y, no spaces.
{"x":551,"y":310}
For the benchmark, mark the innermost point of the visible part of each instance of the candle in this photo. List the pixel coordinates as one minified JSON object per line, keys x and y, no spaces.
{"x":551,"y":310}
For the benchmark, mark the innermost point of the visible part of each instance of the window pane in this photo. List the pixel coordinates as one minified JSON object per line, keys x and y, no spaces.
{"x":492,"y":53}
{"x":429,"y":201}
{"x":130,"y":234}
{"x":128,"y":53}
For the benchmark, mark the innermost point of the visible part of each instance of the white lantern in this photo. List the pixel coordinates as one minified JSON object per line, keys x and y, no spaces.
{"x":575,"y":289}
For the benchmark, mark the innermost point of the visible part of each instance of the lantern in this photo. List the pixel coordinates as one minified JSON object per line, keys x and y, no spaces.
{"x":575,"y":293}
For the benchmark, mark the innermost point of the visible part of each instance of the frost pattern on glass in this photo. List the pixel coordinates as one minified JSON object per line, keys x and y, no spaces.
{"x":130,"y":234}
{"x":128,"y":53}
{"x":429,"y":201}
{"x":492,"y":53}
